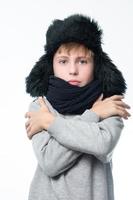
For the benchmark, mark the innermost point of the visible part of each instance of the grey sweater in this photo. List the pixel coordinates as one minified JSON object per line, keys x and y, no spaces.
{"x":75,"y":157}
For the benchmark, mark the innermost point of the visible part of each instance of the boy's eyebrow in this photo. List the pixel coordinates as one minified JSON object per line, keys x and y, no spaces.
{"x":78,"y":57}
{"x":61,"y":57}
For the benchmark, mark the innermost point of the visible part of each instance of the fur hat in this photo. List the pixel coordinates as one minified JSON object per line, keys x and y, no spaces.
{"x":80,"y":29}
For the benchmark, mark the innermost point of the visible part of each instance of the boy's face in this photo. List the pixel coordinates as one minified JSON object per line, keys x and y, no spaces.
{"x":75,"y":66}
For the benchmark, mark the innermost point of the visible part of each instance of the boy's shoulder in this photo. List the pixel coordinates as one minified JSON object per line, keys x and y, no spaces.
{"x":34,"y":105}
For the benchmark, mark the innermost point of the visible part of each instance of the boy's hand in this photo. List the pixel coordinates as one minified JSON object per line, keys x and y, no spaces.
{"x":38,"y":120}
{"x":111,"y":106}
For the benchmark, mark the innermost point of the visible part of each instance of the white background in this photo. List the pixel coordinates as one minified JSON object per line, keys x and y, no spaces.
{"x":22,"y":37}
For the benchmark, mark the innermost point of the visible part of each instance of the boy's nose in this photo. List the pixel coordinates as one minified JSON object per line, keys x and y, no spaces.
{"x":73,"y":70}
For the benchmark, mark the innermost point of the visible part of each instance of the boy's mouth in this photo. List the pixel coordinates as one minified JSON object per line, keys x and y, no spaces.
{"x":74,"y":82}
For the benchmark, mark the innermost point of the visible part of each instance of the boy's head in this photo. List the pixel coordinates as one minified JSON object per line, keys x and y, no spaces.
{"x":76,"y":36}
{"x":74,"y":63}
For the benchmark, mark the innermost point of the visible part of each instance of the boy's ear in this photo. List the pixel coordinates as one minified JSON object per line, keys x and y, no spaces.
{"x":37,"y":80}
{"x":111,"y":78}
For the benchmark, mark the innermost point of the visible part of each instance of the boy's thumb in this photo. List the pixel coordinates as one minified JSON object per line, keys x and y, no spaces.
{"x":41,"y":101}
{"x":42,"y":104}
{"x":100,"y":98}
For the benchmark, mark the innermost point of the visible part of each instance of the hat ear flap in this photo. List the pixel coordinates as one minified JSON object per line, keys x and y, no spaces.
{"x":37,"y":81}
{"x":110,"y":77}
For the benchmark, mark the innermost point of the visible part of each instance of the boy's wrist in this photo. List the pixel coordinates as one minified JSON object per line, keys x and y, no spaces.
{"x":93,"y":110}
{"x":50,"y":119}
{"x":90,"y":115}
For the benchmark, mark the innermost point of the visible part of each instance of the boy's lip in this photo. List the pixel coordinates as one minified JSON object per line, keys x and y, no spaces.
{"x":74,"y":82}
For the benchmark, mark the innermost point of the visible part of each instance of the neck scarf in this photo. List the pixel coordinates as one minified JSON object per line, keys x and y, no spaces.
{"x":71,"y":99}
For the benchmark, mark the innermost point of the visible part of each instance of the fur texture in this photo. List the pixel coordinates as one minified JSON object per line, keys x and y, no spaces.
{"x":76,"y":28}
{"x":80,"y":29}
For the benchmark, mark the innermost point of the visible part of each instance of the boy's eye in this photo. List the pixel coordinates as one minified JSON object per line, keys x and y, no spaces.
{"x":83,"y":61}
{"x":63,"y":61}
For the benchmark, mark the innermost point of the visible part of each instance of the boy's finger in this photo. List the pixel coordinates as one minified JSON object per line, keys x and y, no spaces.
{"x":116,"y":97}
{"x":27,"y":124}
{"x":27,"y":115}
{"x":123,"y":104}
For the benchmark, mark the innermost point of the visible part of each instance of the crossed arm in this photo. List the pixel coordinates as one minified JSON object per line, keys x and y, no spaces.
{"x":53,"y":157}
{"x":63,"y":141}
{"x":43,"y":118}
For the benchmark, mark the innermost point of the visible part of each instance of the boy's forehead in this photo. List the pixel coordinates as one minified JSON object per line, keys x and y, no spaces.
{"x":79,"y":51}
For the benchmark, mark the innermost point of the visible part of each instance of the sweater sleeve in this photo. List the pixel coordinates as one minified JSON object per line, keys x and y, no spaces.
{"x":53,"y":157}
{"x":96,"y":138}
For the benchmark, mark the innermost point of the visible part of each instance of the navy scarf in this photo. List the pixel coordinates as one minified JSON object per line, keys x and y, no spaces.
{"x":71,"y":99}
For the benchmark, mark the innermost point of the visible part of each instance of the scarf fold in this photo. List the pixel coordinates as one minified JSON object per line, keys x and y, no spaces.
{"x":71,"y":99}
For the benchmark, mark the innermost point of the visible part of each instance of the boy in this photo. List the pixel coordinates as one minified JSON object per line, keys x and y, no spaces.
{"x":74,"y":129}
